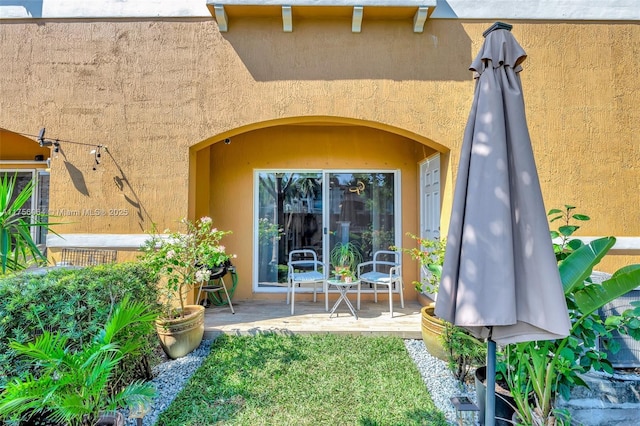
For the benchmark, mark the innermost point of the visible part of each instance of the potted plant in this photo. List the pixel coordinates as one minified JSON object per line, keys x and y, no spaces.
{"x":72,"y":387}
{"x":345,"y":275}
{"x":537,"y":372}
{"x":184,"y":260}
{"x":344,"y":258}
{"x":430,"y":255}
{"x":464,"y":352}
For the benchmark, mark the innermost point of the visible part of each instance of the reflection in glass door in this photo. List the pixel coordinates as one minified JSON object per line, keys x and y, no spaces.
{"x":362,"y":211}
{"x":315,"y":210}
{"x":289,"y":218}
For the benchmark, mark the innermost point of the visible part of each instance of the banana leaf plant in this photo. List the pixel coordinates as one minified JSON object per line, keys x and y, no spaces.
{"x":16,"y":244}
{"x":72,"y":387}
{"x":537,"y":372}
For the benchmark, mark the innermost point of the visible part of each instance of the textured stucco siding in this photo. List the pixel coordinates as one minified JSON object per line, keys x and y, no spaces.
{"x":157,"y":93}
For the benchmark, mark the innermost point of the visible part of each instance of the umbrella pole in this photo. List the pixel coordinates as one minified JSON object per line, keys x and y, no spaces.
{"x":490,"y":399}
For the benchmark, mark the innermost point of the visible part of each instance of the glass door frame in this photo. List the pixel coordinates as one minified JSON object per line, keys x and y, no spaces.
{"x":325,"y":174}
{"x":35,"y":205}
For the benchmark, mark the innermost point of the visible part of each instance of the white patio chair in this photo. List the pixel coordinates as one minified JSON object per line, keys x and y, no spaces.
{"x":385,"y":270}
{"x":305,"y":268}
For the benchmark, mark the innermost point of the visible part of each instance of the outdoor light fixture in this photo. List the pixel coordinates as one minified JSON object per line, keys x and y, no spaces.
{"x":465,"y":410}
{"x":138,"y":412}
{"x":43,"y":142}
{"x":96,"y":152}
{"x":96,"y":155}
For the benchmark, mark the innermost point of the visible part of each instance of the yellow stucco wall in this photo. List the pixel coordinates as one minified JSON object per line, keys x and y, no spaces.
{"x":298,"y":148}
{"x":157,"y":93}
{"x":15,"y":147}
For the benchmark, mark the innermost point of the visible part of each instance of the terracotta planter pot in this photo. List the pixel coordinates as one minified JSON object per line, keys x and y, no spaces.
{"x":432,"y":329}
{"x":180,"y":336}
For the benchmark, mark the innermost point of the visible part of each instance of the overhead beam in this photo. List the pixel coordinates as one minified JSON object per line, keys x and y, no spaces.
{"x":356,"y":21}
{"x":420,"y":18}
{"x":287,"y":19}
{"x":221,"y":18}
{"x":423,"y":10}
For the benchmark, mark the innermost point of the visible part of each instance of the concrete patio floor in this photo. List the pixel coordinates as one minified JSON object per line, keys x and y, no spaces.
{"x":254,"y":317}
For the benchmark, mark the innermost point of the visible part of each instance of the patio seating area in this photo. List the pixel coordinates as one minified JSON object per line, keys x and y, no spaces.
{"x":255,"y":317}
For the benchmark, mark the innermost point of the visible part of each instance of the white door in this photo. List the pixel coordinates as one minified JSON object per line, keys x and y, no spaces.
{"x":430,"y":202}
{"x":430,"y":197}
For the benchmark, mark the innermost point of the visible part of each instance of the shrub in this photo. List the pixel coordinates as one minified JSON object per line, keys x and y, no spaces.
{"x":76,"y":303}
{"x":72,"y":387}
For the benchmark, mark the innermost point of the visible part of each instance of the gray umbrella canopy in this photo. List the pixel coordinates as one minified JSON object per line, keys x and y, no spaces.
{"x":500,"y":272}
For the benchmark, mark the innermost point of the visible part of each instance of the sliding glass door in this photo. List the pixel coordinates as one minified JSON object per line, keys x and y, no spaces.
{"x":316,"y":210}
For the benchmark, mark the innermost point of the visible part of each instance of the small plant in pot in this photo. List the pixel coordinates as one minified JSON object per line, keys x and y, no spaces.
{"x":344,"y":258}
{"x":459,"y":349}
{"x":184,"y":260}
{"x":71,"y":387}
{"x":345,"y":275}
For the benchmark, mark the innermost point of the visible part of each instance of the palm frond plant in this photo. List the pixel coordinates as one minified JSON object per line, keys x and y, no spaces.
{"x":538,"y":372}
{"x":17,"y":247}
{"x":71,"y":387}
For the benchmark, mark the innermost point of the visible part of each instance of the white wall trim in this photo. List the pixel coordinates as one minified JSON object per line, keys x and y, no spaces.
{"x":22,"y":162}
{"x":102,"y":241}
{"x":596,"y":10}
{"x":623,"y":246}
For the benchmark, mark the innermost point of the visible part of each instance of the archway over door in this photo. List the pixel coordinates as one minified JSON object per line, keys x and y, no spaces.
{"x":224,"y":183}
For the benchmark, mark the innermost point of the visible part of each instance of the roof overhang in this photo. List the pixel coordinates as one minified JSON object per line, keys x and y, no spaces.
{"x":417,"y":11}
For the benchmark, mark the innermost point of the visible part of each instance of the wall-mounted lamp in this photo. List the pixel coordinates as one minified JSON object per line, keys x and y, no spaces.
{"x":96,"y":155}
{"x":97,"y":152}
{"x":43,"y":142}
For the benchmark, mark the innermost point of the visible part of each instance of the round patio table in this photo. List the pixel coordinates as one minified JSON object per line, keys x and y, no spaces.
{"x":343,"y":287}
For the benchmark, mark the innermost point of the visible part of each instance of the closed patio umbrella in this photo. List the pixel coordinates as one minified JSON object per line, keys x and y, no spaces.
{"x":500,"y":278}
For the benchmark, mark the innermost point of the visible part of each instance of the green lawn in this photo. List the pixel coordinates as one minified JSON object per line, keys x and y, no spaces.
{"x":305,"y":380}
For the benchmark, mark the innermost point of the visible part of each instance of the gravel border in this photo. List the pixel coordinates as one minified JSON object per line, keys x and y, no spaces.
{"x":171,"y":376}
{"x":439,"y":380}
{"x":169,"y":379}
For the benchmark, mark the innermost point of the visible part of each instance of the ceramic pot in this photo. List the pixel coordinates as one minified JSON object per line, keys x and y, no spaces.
{"x":504,"y":402}
{"x":432,"y":329}
{"x":180,"y":336}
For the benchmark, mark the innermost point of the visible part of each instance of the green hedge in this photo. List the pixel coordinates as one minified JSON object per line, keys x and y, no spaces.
{"x":76,"y":302}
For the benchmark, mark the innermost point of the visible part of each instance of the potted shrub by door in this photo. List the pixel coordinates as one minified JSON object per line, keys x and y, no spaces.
{"x":430,"y":254}
{"x":184,"y":260}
